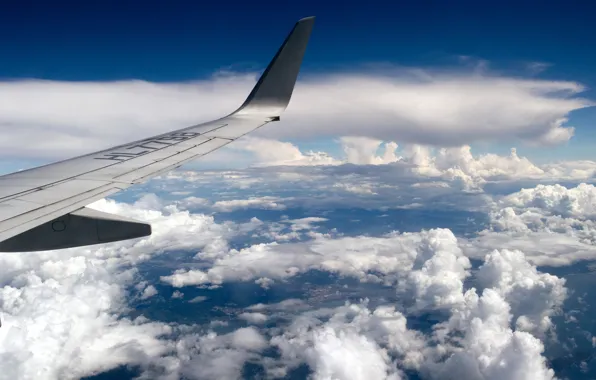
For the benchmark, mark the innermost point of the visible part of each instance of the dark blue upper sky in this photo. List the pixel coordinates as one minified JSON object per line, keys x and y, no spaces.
{"x":177,"y":40}
{"x":181,"y":40}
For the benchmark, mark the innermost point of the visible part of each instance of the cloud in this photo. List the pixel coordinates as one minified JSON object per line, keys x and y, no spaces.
{"x":476,"y":342}
{"x":553,"y":225}
{"x":254,"y":318}
{"x":578,"y":202}
{"x":533,"y":296}
{"x":272,"y":152}
{"x":368,"y":259}
{"x":61,"y":119}
{"x":64,"y":312}
{"x":177,"y":294}
{"x":491,"y":332}
{"x":435,"y":279}
{"x":347,"y":355}
{"x":362,"y":151}
{"x":457,"y":165}
{"x":490,"y":348}
{"x":198,"y":299}
{"x":266,"y":203}
{"x":74,"y":301}
{"x":148,"y":292}
{"x":354,"y":343}
{"x":209,"y":356}
{"x":248,"y":338}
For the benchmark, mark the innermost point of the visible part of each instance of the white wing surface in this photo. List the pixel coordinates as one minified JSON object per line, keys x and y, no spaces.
{"x":44,"y":208}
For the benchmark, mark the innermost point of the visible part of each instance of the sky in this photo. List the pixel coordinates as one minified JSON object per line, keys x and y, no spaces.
{"x":423,"y":210}
{"x":185,"y":42}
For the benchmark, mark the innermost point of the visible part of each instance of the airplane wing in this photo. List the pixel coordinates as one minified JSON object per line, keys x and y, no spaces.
{"x":44,"y":208}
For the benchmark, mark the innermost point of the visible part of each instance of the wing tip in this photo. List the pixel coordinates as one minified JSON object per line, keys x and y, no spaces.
{"x":306,"y":19}
{"x":272,"y":93}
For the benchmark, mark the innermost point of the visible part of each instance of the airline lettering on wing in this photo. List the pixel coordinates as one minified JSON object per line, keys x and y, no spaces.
{"x":147,"y":146}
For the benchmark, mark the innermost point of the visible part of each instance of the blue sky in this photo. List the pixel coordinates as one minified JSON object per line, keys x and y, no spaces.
{"x":184,"y":40}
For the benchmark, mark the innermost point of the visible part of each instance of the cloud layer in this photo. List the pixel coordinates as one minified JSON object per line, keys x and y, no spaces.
{"x":62,"y":310}
{"x":60,"y":119}
{"x":64,"y":313}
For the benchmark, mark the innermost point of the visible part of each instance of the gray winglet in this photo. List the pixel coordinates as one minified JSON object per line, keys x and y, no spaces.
{"x":271,"y":95}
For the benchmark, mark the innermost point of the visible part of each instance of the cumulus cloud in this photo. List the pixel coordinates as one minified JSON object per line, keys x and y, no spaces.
{"x":578,"y":202}
{"x":209,"y":356}
{"x":457,"y":165}
{"x":272,"y":152}
{"x":355,"y":343}
{"x":476,"y":342}
{"x":63,"y":312}
{"x":428,"y":269}
{"x":551,"y":224}
{"x":60,"y":119}
{"x":493,"y":331}
{"x":366,"y":258}
{"x":435,"y":280}
{"x":148,"y":292}
{"x":490,"y":348}
{"x":198,"y":299}
{"x":255,"y":318}
{"x":77,"y":298}
{"x":177,"y":294}
{"x":267,"y":203}
{"x":533,"y":296}
{"x":60,"y":318}
{"x":363,"y":151}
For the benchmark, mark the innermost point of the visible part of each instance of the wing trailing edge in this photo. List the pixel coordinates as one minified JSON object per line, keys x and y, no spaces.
{"x":82,"y":227}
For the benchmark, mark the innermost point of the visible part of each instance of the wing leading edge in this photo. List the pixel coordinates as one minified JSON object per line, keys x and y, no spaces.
{"x":43,"y":208}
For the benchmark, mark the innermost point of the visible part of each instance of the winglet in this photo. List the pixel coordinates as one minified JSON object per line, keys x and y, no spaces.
{"x":271,"y":95}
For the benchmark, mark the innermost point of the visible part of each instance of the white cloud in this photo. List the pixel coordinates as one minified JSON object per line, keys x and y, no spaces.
{"x":287,"y":304}
{"x":552,"y":225}
{"x":366,"y":258}
{"x":61,"y":119}
{"x":363,"y":150}
{"x":355,"y":343}
{"x":254,"y":318}
{"x":304,"y":223}
{"x":457,"y":165}
{"x":248,"y":338}
{"x":533,"y":296}
{"x":177,"y":294}
{"x":428,"y":269}
{"x":490,"y":349}
{"x":347,"y":356}
{"x":266,"y":203}
{"x":489,"y":335}
{"x":273,"y":152}
{"x":435,"y":280}
{"x":476,"y":342}
{"x":198,"y":299}
{"x":356,"y":189}
{"x":209,"y":356}
{"x":578,"y":202}
{"x":148,"y":292}
{"x":62,"y":311}
{"x":192,"y":202}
